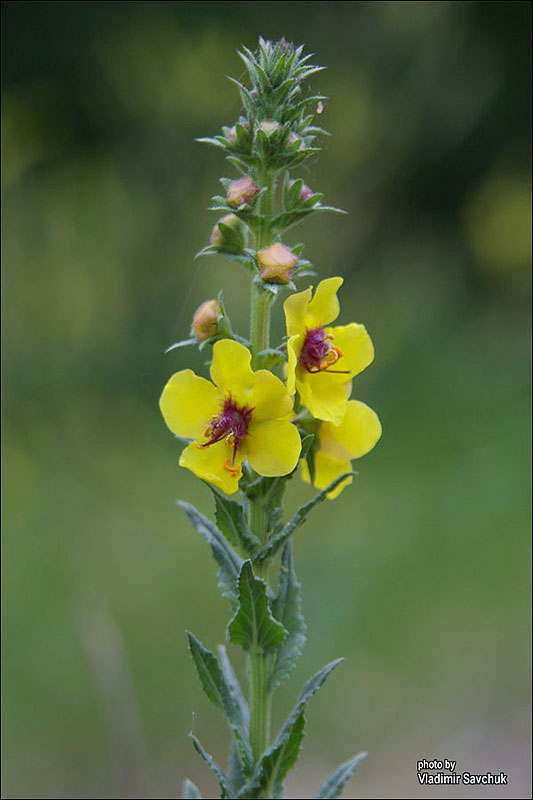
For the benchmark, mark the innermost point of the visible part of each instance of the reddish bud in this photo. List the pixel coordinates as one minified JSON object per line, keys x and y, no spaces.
{"x":217,"y":237}
{"x":306,"y":192}
{"x":205,"y":320}
{"x":276,"y":263}
{"x":293,"y":138}
{"x":232,"y":133}
{"x":242,"y":191}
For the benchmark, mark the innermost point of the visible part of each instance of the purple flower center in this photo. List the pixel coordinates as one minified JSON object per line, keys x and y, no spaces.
{"x":315,"y":349}
{"x":319,"y":353}
{"x":231,"y":424}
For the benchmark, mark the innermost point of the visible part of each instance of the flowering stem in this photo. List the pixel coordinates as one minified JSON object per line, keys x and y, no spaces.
{"x":259,"y":664}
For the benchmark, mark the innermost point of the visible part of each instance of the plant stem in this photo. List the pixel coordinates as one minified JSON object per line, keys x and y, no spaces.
{"x":259,"y":664}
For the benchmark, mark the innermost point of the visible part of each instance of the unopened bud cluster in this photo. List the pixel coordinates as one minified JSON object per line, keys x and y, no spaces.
{"x":273,"y":135}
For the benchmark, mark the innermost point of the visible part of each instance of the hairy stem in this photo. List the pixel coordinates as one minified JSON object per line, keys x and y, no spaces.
{"x":259,"y":664}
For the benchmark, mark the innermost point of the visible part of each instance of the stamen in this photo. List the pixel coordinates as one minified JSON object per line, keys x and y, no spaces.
{"x":234,"y":471}
{"x":232,"y":425}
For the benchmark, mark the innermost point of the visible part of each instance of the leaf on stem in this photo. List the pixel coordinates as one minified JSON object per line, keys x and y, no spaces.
{"x":298,"y":519}
{"x":229,"y":563}
{"x":333,"y":786}
{"x":215,"y":686}
{"x":281,"y":756}
{"x":287,"y":608}
{"x":231,"y":520}
{"x":253,"y":626}
{"x":189,"y":791}
{"x":225,"y":784}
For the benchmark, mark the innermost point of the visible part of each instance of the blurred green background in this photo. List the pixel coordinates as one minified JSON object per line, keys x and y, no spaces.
{"x":419,"y":574}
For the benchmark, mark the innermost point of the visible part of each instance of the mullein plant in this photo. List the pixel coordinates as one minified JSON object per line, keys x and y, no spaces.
{"x":264,"y":410}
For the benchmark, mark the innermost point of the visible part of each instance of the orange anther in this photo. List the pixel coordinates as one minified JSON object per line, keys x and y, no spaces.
{"x":233,"y":470}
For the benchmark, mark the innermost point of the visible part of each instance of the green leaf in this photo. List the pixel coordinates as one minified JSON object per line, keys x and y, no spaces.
{"x":267,"y":359}
{"x":189,"y":791}
{"x":218,"y":142}
{"x":253,"y":626}
{"x":215,"y":686}
{"x":233,"y":685}
{"x":183,"y":343}
{"x":267,"y":780}
{"x":333,"y":786}
{"x":287,"y":608}
{"x":231,"y":520}
{"x":228,"y":790}
{"x":229,"y":563}
{"x":281,"y":756}
{"x":298,"y":519}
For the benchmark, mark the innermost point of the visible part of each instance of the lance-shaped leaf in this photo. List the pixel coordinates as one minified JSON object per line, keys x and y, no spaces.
{"x":333,"y":786}
{"x":231,"y":520}
{"x":253,"y":626}
{"x":267,"y":780}
{"x":287,"y":608}
{"x":189,"y":791}
{"x":298,"y":519}
{"x":236,"y":772}
{"x":281,"y":756}
{"x":229,"y":563}
{"x":215,"y":686}
{"x":228,"y":790}
{"x":233,"y":684}
{"x":183,"y":343}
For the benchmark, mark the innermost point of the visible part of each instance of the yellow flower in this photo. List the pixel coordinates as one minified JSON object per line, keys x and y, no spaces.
{"x":357,"y":434}
{"x":322,"y":359}
{"x":241,"y":415}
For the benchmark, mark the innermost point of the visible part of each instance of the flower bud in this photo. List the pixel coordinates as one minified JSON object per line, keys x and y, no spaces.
{"x":293,"y":138}
{"x":242,"y":191}
{"x":233,"y":243}
{"x":276,"y":263}
{"x":306,"y":192}
{"x":205,"y":320}
{"x":270,"y":126}
{"x":231,"y":137}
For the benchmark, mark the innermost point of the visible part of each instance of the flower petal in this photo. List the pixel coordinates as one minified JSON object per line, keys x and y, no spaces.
{"x":231,"y":369}
{"x":208,"y":463}
{"x":273,"y":447}
{"x":324,"y":396}
{"x":188,"y":402}
{"x":356,"y":346}
{"x":295,"y":308}
{"x":324,"y":307}
{"x":326,"y":470}
{"x":294,"y":348}
{"x":358,"y":433}
{"x":269,"y":398}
